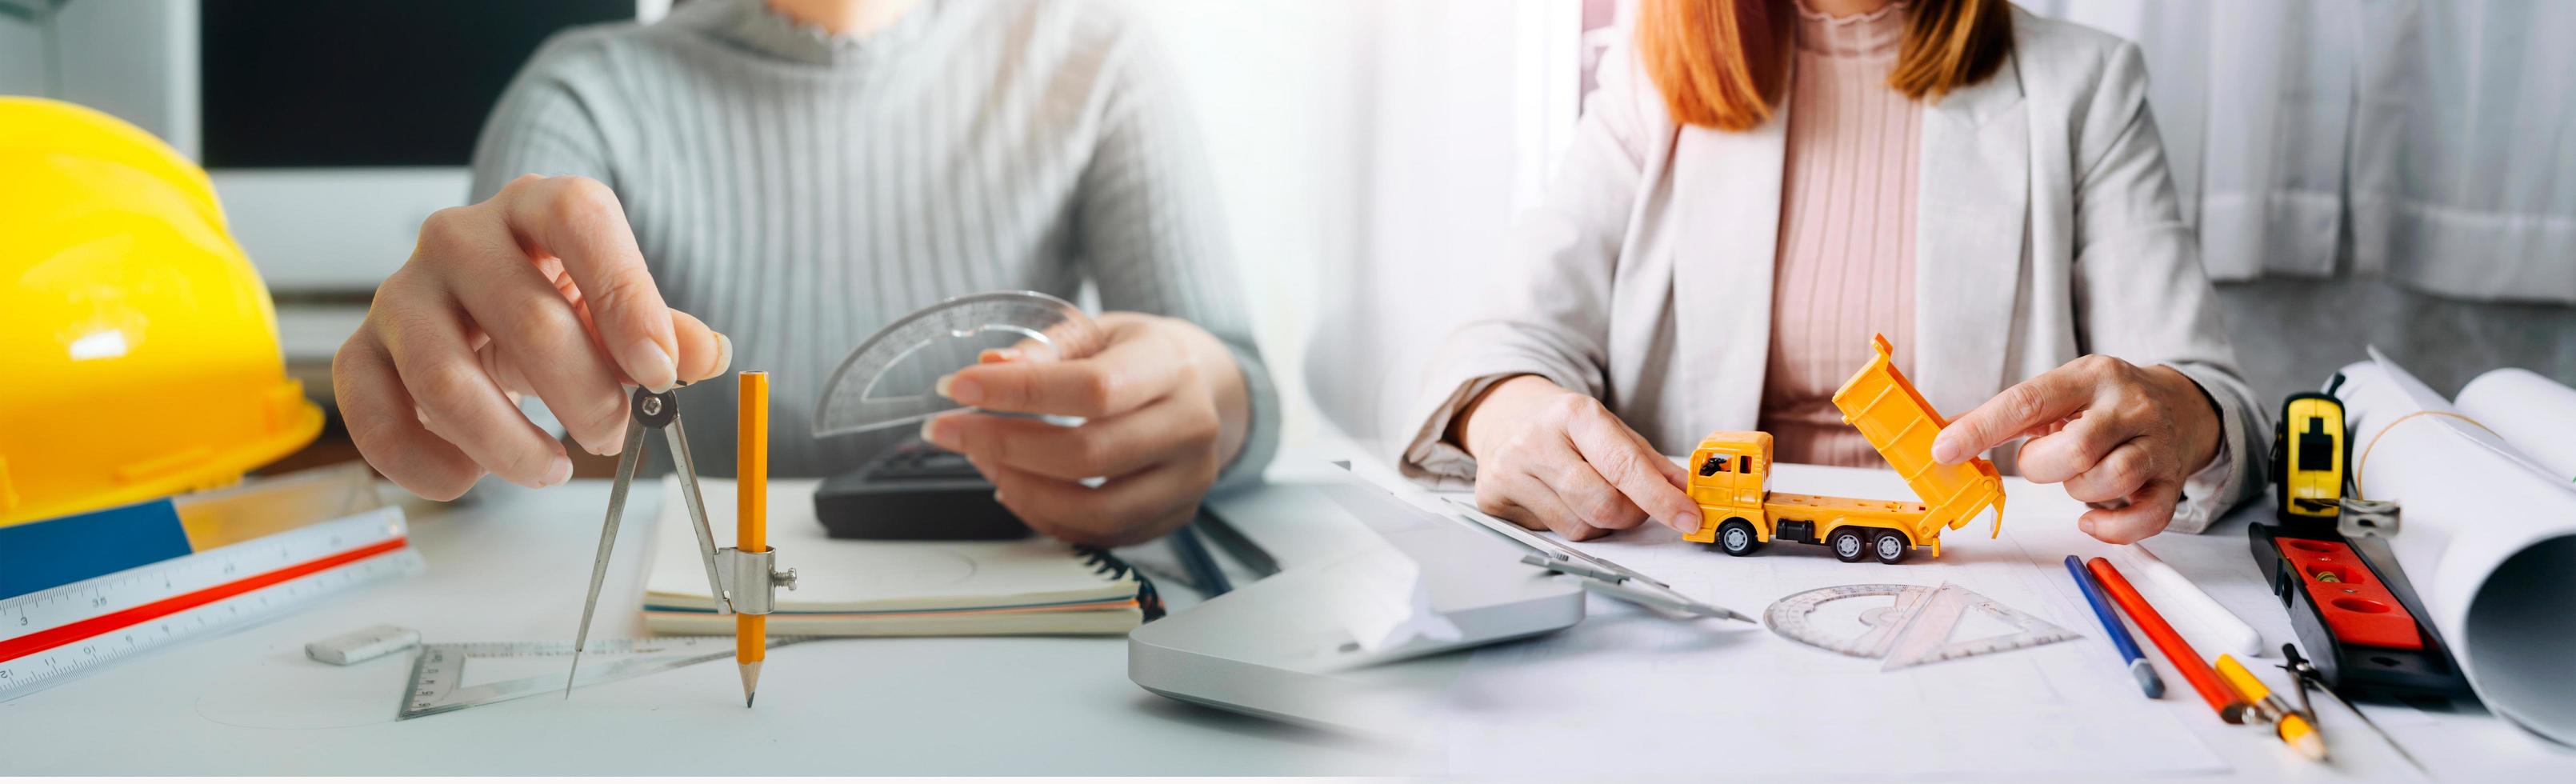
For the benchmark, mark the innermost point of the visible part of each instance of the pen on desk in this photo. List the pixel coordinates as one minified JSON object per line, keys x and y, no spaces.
{"x":2176,"y":651}
{"x":751,"y":519}
{"x":2119,"y":634}
{"x":1192,"y":551}
{"x":2293,"y":728}
{"x":1214,"y":528}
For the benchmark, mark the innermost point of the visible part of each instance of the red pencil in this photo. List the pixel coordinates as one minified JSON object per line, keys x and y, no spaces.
{"x":2203,"y":678}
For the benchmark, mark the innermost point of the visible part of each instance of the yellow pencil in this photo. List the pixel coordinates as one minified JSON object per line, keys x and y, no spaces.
{"x":2293,"y":728}
{"x":751,"y":518}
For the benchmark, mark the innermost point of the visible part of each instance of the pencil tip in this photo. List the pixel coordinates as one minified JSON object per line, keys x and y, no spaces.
{"x":2311,"y":746}
{"x":750,"y":682}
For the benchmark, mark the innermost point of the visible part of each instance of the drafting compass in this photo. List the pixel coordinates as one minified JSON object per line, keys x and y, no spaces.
{"x":753,"y":586}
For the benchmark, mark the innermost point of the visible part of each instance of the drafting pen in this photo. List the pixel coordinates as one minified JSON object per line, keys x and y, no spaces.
{"x":2176,"y":651}
{"x":1193,"y":553}
{"x":2293,"y":728}
{"x":751,"y":518}
{"x":2119,"y":634}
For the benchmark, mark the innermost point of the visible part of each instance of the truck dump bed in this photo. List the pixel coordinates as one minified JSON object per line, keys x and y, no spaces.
{"x":1886,"y":409}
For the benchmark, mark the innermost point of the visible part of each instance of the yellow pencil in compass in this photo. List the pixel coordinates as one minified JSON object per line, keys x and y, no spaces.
{"x":2293,"y":728}
{"x":741,"y":580}
{"x":751,"y":522}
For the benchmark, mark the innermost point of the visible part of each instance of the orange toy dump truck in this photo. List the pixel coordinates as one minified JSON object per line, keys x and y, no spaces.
{"x":1730,"y":472}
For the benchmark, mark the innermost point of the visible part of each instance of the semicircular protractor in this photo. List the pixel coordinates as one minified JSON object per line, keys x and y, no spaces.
{"x":892,"y":378}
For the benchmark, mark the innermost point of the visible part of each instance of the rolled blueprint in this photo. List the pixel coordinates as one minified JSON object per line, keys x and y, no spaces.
{"x":2487,"y":537}
{"x":2534,"y":414}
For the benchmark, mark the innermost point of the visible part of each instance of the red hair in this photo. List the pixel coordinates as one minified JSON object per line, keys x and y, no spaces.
{"x":1724,"y":63}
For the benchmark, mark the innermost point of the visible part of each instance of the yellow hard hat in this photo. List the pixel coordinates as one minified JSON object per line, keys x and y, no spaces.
{"x":138,"y":349}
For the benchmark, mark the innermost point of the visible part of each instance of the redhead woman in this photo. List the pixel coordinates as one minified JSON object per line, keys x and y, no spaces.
{"x":1761,"y":185}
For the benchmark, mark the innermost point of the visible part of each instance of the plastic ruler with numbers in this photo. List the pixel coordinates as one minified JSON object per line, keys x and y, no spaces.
{"x":52,"y":635}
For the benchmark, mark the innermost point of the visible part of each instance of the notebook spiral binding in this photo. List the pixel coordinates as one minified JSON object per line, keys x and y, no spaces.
{"x":1109,"y":564}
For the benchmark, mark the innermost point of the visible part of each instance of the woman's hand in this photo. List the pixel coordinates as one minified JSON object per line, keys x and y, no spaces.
{"x":538,"y":290}
{"x":2121,"y":437}
{"x":1551,"y":459}
{"x":1164,"y":411}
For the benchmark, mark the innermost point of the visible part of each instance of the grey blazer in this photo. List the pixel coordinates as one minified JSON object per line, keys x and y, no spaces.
{"x":2046,"y":229}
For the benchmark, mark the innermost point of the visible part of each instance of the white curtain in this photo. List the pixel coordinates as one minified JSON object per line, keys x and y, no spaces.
{"x":2430,"y":141}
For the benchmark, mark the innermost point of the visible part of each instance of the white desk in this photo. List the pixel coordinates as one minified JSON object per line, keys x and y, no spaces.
{"x":2461,"y":745}
{"x":510,"y":564}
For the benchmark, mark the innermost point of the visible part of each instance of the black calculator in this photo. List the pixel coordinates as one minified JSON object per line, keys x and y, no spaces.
{"x":914,"y":491}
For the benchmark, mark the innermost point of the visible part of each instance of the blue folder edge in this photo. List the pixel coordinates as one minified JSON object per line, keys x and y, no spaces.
{"x":64,"y":550}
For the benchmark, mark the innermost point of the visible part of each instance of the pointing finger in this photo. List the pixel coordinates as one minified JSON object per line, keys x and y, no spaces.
{"x":2044,"y":398}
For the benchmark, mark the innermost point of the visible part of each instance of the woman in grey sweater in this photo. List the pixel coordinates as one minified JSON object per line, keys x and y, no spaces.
{"x":779,"y":179}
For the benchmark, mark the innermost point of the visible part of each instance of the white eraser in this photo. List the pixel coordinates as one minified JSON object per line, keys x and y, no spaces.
{"x":363,"y":644}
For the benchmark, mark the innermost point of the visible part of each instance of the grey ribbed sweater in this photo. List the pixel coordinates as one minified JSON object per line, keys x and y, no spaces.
{"x":797,"y":191}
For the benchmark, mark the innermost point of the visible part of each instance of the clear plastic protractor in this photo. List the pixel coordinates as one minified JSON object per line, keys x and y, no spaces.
{"x":890,"y":379}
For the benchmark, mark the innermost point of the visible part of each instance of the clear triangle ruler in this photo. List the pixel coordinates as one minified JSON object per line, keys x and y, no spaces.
{"x":455,"y":676}
{"x":1904,"y":625}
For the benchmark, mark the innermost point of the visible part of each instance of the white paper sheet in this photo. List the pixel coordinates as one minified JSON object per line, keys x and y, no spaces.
{"x":1627,"y":693}
{"x":2534,"y":414}
{"x":2486,"y":535}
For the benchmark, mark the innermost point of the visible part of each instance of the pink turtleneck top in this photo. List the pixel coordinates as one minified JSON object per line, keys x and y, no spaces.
{"x":1846,"y":256}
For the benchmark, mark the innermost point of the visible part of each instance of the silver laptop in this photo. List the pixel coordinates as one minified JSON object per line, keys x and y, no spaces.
{"x":1282,"y":647}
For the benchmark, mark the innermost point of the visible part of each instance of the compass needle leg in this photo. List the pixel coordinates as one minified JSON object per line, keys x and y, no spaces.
{"x":626,"y":462}
{"x":688,"y":471}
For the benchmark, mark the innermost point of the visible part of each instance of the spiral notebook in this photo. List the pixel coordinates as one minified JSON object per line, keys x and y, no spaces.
{"x":857,"y":588}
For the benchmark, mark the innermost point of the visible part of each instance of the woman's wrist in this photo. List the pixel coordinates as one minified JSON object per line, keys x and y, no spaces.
{"x":1226,"y":385}
{"x":1506,"y":399}
{"x":2202,"y":425}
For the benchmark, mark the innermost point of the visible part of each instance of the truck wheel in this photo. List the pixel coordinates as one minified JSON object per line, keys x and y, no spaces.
{"x":1889,"y":546}
{"x":1736,"y":538}
{"x":1848,"y":545}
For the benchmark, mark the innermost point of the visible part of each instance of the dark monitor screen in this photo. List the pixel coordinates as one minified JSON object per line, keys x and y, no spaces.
{"x":350,"y":83}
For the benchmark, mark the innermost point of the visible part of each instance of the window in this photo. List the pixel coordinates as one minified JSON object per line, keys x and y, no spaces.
{"x":1712,"y":465}
{"x":1746,"y":465}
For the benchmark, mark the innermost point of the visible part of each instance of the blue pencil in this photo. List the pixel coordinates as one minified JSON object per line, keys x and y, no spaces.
{"x":2138,"y":666}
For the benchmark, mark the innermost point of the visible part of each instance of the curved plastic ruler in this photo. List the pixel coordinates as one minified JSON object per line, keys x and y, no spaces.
{"x":889,"y":379}
{"x":1914,"y":627}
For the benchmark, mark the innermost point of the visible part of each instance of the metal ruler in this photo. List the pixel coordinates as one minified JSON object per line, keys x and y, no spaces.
{"x":440,"y":681}
{"x":59,"y":633}
{"x":1913,"y":626}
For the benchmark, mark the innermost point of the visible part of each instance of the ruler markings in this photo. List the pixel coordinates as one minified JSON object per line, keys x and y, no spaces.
{"x":77,"y":628}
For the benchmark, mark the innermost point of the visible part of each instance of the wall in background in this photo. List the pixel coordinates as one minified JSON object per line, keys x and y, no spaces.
{"x":1371,"y":156}
{"x":22,"y":52}
{"x":2292,"y":334}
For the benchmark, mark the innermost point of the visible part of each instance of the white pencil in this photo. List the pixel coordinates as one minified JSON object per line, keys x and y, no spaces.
{"x":2226,"y":631}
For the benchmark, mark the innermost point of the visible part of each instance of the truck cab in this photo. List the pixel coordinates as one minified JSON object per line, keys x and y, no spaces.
{"x":1730,"y":472}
